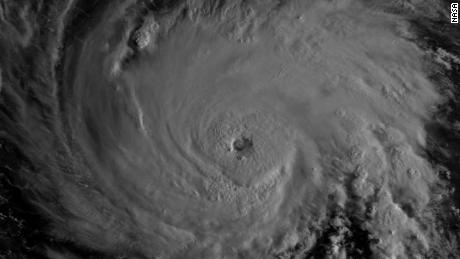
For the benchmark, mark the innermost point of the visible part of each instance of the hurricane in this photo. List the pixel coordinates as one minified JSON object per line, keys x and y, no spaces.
{"x":228,"y":129}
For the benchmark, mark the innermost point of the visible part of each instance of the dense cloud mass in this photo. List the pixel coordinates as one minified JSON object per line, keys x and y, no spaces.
{"x":227,"y":129}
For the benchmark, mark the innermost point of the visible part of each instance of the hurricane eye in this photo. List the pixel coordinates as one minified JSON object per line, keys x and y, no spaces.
{"x":242,"y":144}
{"x":241,"y":147}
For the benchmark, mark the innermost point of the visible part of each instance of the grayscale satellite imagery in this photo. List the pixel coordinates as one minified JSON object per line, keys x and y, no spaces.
{"x":229,"y":129}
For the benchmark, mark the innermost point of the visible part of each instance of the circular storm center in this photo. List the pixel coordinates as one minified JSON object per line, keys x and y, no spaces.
{"x":247,"y":146}
{"x":242,"y":147}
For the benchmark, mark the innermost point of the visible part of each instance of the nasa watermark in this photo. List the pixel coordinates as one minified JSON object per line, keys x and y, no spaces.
{"x":454,"y":13}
